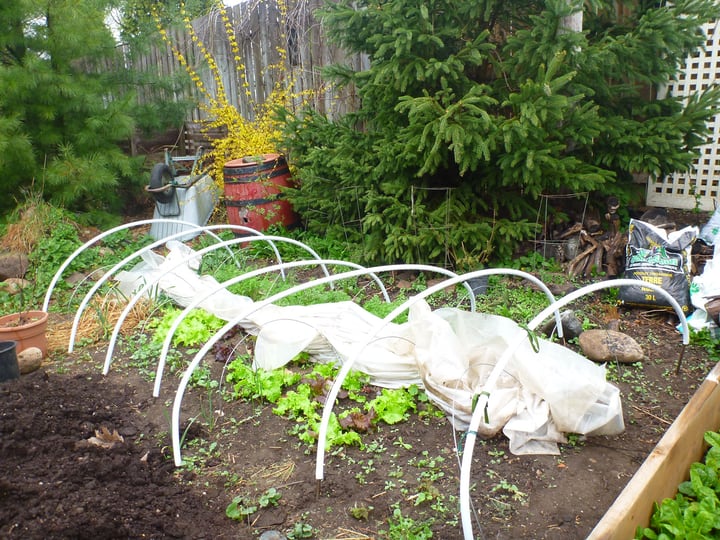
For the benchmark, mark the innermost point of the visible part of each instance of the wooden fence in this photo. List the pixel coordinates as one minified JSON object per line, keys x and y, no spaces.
{"x":260,"y":30}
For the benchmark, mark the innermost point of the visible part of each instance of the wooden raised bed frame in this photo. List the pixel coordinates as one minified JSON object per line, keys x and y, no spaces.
{"x":667,"y":465}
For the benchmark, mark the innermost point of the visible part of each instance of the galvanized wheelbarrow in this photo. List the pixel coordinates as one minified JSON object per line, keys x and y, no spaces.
{"x":182,"y":193}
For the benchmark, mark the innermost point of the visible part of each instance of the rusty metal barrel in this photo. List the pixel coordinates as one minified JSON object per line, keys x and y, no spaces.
{"x":254,"y":192}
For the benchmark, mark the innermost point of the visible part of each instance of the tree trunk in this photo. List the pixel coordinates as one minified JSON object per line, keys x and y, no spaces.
{"x":574,"y":22}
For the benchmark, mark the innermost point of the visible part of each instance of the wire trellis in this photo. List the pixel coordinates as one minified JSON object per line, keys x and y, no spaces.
{"x":545,"y":242}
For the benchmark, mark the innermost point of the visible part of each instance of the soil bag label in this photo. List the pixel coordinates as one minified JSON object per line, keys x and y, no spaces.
{"x":653,"y":256}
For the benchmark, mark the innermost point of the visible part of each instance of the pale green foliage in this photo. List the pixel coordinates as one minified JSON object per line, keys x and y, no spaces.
{"x":198,"y":327}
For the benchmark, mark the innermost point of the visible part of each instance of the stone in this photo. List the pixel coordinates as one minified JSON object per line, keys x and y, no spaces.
{"x":75,"y":278}
{"x":561,"y":289}
{"x":610,"y":346}
{"x":14,"y":285}
{"x":613,"y":324}
{"x":273,"y":535}
{"x":13,"y":265}
{"x":572,"y":327}
{"x":29,"y":360}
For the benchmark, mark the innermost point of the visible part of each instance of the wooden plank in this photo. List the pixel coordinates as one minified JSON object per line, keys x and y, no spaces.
{"x":667,"y":465}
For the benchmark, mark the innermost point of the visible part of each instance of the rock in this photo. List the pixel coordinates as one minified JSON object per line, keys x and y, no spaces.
{"x":404,"y":284}
{"x":75,"y":278}
{"x":14,"y":285}
{"x":610,"y":346}
{"x":29,"y":360}
{"x":614,"y":324}
{"x":272,"y":535}
{"x":572,"y":327}
{"x":561,"y":289}
{"x":13,"y":265}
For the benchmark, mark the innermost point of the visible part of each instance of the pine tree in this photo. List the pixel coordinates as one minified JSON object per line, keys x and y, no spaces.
{"x":64,"y":114}
{"x":472,"y":110}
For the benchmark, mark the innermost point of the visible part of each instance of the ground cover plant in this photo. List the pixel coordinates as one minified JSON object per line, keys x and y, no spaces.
{"x":248,"y":438}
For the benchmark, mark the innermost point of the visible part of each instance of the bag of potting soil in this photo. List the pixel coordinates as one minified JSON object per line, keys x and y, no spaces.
{"x":654,"y":256}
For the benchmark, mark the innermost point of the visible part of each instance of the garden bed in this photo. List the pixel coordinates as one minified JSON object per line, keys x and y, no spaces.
{"x":667,"y":465}
{"x":402,"y":484}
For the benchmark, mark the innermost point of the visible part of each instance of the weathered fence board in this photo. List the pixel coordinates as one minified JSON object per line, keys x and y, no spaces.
{"x":260,"y":31}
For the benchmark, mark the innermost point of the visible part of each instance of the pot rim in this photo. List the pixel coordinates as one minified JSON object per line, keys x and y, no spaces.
{"x":38,"y":317}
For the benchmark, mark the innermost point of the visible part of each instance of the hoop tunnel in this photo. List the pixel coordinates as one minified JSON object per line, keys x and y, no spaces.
{"x":226,"y":243}
{"x":118,"y":266}
{"x":175,"y":420}
{"x":495,"y":374}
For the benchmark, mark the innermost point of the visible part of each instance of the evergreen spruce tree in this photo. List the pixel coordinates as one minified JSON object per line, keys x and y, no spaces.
{"x":472,"y":110}
{"x":64,"y":110}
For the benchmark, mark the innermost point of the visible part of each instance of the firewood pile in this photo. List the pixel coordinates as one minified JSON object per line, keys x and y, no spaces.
{"x":588,"y":249}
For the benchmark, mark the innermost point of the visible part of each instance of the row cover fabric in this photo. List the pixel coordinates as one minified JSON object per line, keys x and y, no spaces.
{"x":449,"y":352}
{"x":703,"y":288}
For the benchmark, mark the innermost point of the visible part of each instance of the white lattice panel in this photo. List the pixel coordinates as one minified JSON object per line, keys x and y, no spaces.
{"x":699,"y":186}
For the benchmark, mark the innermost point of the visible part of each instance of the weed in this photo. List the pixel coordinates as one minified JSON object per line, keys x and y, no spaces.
{"x":367,"y":467}
{"x":497,"y":456}
{"x":401,"y":527}
{"x":271,"y":497}
{"x":203,"y":452}
{"x":512,"y":301}
{"x":241,"y":508}
{"x":360,"y":512}
{"x":375,"y":447}
{"x":575,"y":440}
{"x":402,"y":444}
{"x":301,"y":530}
{"x":509,"y":489}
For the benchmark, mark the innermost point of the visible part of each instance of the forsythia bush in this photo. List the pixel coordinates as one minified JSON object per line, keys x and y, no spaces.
{"x":245,"y":137}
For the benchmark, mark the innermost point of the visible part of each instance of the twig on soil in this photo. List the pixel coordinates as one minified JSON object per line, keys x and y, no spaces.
{"x":291,"y":484}
{"x":644,"y":411}
{"x":353,"y":535}
{"x":280,"y":470}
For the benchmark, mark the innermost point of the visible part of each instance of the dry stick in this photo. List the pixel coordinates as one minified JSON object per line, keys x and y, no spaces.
{"x":577,"y":261}
{"x":644,"y":411}
{"x":595,"y":261}
{"x":351,"y":532}
{"x":571,"y":231}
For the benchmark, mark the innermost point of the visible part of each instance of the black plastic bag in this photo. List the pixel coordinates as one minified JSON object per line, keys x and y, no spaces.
{"x":654,"y":256}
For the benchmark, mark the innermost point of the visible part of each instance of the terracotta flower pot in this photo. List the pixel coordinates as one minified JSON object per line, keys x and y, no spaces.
{"x":27,"y":328}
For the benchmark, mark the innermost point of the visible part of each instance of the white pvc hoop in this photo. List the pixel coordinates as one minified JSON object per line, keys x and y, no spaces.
{"x":118,"y":266}
{"x":78,"y":251}
{"x":500,"y":365}
{"x":152,"y":282}
{"x":175,"y":420}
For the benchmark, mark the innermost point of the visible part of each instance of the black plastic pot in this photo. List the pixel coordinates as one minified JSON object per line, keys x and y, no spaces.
{"x":478,"y":285}
{"x":9,"y":368}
